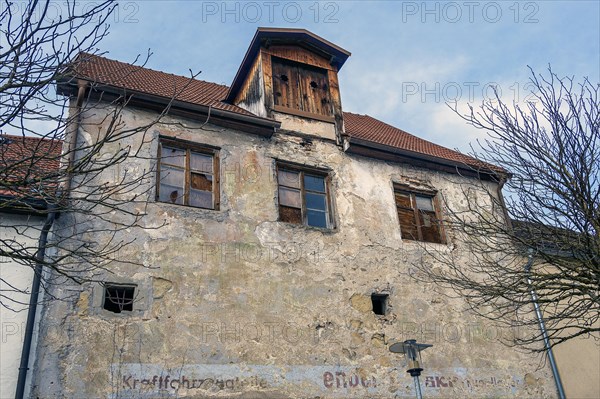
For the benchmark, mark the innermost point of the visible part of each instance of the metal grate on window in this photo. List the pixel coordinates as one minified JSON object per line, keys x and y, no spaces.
{"x":118,"y":298}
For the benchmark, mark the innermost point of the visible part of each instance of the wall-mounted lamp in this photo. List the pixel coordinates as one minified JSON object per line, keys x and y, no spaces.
{"x":412,"y":352}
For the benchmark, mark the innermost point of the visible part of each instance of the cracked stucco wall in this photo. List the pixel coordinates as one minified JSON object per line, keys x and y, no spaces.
{"x":234,"y":304}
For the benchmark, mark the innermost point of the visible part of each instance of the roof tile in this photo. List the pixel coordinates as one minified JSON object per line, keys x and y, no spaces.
{"x":27,"y":158}
{"x":370,"y":129}
{"x":136,"y":78}
{"x":367,"y":128}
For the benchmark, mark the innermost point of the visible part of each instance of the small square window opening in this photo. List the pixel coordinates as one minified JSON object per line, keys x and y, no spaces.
{"x":379,"y":302}
{"x":118,"y":298}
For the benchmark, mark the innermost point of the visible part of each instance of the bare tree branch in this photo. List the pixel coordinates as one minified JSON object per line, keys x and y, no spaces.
{"x":75,"y":180}
{"x":551,"y":215}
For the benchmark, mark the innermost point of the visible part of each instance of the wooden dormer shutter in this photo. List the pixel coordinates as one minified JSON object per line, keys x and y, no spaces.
{"x":301,"y":87}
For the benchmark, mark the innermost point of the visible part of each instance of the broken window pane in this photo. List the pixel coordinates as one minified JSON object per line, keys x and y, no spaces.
{"x":290,"y":215}
{"x":201,"y":181}
{"x":187,"y":177}
{"x":402,"y":200}
{"x":408,"y":227}
{"x":171,"y":194}
{"x":430,"y":228}
{"x":171,"y":185}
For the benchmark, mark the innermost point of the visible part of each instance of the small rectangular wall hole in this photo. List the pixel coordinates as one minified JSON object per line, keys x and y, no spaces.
{"x":379,"y":302}
{"x":118,"y":298}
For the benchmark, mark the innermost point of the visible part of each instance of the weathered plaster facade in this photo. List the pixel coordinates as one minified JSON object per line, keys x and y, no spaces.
{"x":279,"y":309}
{"x":233,"y":303}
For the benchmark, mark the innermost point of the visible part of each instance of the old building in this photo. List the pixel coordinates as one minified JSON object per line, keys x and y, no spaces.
{"x":275,"y":255}
{"x":23,"y":163}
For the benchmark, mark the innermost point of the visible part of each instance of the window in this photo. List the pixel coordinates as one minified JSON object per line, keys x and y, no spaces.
{"x":417,"y":216}
{"x":379,"y":302}
{"x":303,"y":197}
{"x":118,"y":298}
{"x":188,"y":175}
{"x":300,"y":87}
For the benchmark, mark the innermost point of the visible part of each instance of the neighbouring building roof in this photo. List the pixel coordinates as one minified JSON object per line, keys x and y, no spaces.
{"x":26,"y":165}
{"x":104,"y":71}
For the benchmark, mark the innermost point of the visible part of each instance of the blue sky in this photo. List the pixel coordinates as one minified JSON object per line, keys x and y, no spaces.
{"x":408,"y":57}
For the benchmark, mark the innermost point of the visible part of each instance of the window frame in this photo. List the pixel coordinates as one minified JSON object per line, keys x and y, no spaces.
{"x":302,"y":170}
{"x":412,"y":194}
{"x":190,"y":147}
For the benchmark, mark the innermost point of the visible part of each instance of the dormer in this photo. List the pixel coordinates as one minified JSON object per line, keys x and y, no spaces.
{"x":291,"y":75}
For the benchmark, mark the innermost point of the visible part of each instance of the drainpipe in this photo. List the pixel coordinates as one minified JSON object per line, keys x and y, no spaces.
{"x":501,"y":183}
{"x":538,"y":313}
{"x":41,"y":252}
{"x":74,"y":128}
{"x":534,"y":298}
{"x":33,"y":301}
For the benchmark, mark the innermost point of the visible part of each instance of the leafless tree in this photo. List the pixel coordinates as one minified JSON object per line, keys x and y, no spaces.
{"x":543,"y":237}
{"x":37,"y":51}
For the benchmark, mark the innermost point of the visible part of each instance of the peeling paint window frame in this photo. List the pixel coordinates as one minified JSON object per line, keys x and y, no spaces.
{"x":302,"y":172}
{"x":419,"y":214}
{"x":189,"y":149}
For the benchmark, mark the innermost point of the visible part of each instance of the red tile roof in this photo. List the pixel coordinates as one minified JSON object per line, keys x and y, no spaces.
{"x":26,"y":163}
{"x":131,"y":77}
{"x":364,"y":127}
{"x":367,"y":128}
